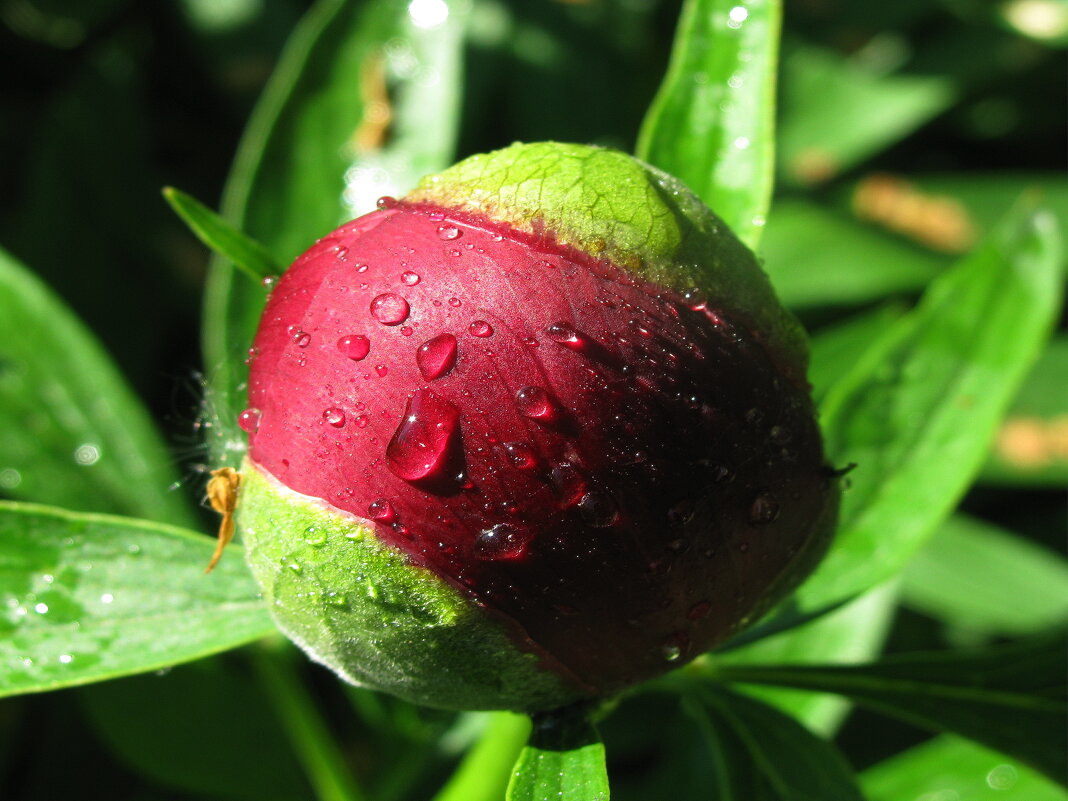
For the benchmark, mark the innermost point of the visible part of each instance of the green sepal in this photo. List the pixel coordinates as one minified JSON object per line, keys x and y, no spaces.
{"x":362,"y":609}
{"x":613,"y":206}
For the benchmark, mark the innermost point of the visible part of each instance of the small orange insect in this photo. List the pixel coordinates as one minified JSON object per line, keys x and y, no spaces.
{"x":222,"y":495}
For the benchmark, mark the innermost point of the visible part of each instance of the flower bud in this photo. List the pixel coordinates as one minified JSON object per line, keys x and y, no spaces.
{"x":532,"y":434}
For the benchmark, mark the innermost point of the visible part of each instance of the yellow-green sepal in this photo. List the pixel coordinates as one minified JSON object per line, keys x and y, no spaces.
{"x":362,"y":609}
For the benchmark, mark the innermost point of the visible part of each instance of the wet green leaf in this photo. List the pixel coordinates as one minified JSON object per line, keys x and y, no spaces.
{"x":987,"y":581}
{"x":951,"y":768}
{"x":1008,"y":697}
{"x":364,"y":102}
{"x":712,"y":122}
{"x":564,"y":761}
{"x":74,"y":433}
{"x":854,"y":633}
{"x":91,"y":597}
{"x":917,"y":411}
{"x":760,"y":754}
{"x":244,"y":253}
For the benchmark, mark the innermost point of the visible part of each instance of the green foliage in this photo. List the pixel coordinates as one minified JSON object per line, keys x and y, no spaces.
{"x":916,"y":231}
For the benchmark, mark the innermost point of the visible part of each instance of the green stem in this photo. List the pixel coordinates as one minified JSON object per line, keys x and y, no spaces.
{"x":484,"y":772}
{"x":311,"y":739}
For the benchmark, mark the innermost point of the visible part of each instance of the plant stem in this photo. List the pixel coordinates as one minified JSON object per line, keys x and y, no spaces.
{"x":484,"y":772}
{"x":311,"y":739}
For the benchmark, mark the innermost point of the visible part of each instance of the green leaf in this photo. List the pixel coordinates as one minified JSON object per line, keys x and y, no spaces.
{"x":317,"y":150}
{"x":712,"y":121}
{"x":74,"y":432}
{"x":564,"y":761}
{"x":816,"y":257}
{"x":987,"y":581}
{"x":486,"y":769}
{"x":244,"y":253}
{"x":854,"y":633}
{"x":947,"y":767}
{"x":91,"y":597}
{"x":835,"y":349}
{"x":1009,"y":697}
{"x":838,"y":111}
{"x":1032,"y":447}
{"x":157,"y":725}
{"x":918,"y":410}
{"x":760,"y":754}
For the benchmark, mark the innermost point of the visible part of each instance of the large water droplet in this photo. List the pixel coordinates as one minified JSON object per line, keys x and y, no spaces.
{"x":502,"y":541}
{"x":390,"y":309}
{"x":334,"y":416}
{"x":437,"y":356}
{"x":249,"y":420}
{"x":534,"y":402}
{"x":480,"y":328}
{"x":425,"y":449}
{"x":386,"y":202}
{"x":449,"y":232}
{"x":354,"y":346}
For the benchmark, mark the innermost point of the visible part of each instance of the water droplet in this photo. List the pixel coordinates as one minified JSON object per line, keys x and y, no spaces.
{"x":671,"y":652}
{"x":408,"y":278}
{"x":362,"y":268}
{"x":86,"y":454}
{"x":568,"y":483}
{"x":521,"y":455}
{"x":764,"y":510}
{"x":436,"y":357}
{"x":699,"y":610}
{"x":425,"y":446}
{"x":480,"y":328}
{"x":334,"y":416}
{"x":41,"y":609}
{"x":436,"y":216}
{"x":534,"y":402}
{"x":269,"y":282}
{"x":382,"y":370}
{"x":382,"y":511}
{"x":598,"y":509}
{"x":390,"y":309}
{"x":107,"y":598}
{"x":249,"y":420}
{"x":301,"y":338}
{"x":502,"y":541}
{"x":455,"y":302}
{"x":407,"y":331}
{"x":66,"y":659}
{"x":354,"y":346}
{"x":315,"y":536}
{"x":530,"y":342}
{"x":361,"y":421}
{"x":386,"y":202}
{"x":1002,"y":777}
{"x":449,"y":232}
{"x":342,"y":253}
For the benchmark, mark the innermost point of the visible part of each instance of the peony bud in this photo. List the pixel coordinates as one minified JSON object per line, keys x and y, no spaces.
{"x":533,"y":434}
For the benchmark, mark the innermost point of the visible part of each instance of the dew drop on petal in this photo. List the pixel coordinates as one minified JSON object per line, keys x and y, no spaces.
{"x":249,"y":420}
{"x":354,"y":346}
{"x":480,"y":328}
{"x":335,"y":417}
{"x":390,"y":309}
{"x":534,"y":402}
{"x":449,"y":232}
{"x":409,"y":278}
{"x":436,"y":357}
{"x":424,"y":448}
{"x":501,"y":541}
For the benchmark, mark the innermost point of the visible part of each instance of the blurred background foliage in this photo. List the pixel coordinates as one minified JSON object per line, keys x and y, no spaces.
{"x":905,"y":130}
